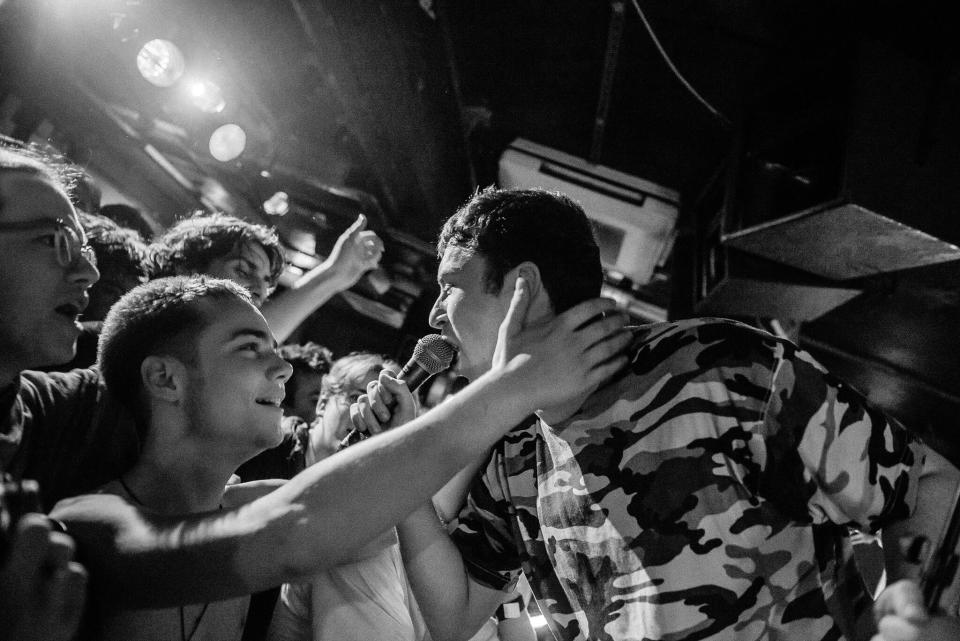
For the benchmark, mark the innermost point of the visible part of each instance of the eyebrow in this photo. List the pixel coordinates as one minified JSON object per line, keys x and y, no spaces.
{"x":259,"y":334}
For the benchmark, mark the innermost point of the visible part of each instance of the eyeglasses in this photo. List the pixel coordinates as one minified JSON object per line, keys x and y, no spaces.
{"x":69,"y":244}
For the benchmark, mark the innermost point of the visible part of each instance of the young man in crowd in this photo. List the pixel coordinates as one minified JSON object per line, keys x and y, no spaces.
{"x":704,"y":493}
{"x":60,"y":430}
{"x":226,"y":247}
{"x":46,"y":269}
{"x":310,"y":363}
{"x":195,"y":361}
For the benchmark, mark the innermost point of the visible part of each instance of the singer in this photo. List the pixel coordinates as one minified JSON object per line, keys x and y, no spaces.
{"x":704,"y":493}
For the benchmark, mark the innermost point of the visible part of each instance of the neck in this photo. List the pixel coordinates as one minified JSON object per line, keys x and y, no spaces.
{"x":181,"y":475}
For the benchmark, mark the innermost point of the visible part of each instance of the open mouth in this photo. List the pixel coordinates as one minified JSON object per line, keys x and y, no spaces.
{"x":69,"y":311}
{"x":271,"y":402}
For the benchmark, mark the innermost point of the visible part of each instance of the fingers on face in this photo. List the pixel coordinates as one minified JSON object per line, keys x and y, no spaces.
{"x":589,"y":311}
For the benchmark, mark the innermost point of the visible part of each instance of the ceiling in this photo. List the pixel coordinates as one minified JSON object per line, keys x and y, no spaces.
{"x":815,"y":111}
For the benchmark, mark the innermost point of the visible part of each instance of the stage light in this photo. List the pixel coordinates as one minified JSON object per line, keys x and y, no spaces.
{"x":277,"y":204}
{"x":206,"y":96}
{"x":227,"y":142}
{"x":160,"y":62}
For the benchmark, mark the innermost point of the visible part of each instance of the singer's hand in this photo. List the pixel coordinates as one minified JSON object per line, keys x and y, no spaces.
{"x":565,"y":357}
{"x":901,"y":616}
{"x":388,"y":403}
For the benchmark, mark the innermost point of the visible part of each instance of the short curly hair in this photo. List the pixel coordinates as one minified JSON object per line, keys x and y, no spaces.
{"x":119,"y":249}
{"x":193,"y":243}
{"x":162,"y":316}
{"x":308,"y":358}
{"x":510,"y":226}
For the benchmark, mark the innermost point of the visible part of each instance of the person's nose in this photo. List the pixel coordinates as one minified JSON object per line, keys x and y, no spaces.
{"x":258,"y":289}
{"x":438,"y":315}
{"x":281,"y":370}
{"x":83,"y":271}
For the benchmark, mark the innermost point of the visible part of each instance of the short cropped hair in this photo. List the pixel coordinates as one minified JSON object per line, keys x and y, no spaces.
{"x":510,"y":226}
{"x":119,"y":250}
{"x":193,"y":243}
{"x":308,"y":358}
{"x":31,"y":159}
{"x":161,"y":317}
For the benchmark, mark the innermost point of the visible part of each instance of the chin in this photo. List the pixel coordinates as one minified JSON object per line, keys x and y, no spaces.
{"x":54,"y":357}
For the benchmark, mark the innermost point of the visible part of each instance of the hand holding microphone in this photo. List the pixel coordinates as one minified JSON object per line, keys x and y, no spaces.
{"x":389,"y":400}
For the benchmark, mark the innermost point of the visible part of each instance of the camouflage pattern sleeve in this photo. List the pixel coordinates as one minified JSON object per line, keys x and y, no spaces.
{"x":482,"y":531}
{"x":828,"y":456}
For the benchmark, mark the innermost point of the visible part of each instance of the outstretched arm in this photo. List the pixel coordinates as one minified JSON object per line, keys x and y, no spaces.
{"x":356,"y":252}
{"x":141,"y":559}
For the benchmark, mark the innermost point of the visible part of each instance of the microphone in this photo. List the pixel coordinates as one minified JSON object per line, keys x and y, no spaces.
{"x":431,"y":355}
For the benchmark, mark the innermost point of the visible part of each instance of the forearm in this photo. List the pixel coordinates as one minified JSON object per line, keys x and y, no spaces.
{"x":287,"y":310}
{"x":140,"y":559}
{"x":453,"y":606}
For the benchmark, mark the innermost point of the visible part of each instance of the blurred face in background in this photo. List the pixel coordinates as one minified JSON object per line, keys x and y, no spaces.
{"x":247,"y":265}
{"x":306,"y":395}
{"x":108,"y":290}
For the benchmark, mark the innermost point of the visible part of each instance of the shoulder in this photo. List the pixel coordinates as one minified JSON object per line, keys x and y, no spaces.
{"x":704,"y":343}
{"x":45,"y":387}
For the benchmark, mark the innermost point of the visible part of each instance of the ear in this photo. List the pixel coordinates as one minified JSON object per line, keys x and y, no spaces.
{"x":540,"y":304}
{"x":164,"y":378}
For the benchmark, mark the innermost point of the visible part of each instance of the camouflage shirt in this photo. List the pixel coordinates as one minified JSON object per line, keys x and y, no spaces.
{"x":703,"y":494}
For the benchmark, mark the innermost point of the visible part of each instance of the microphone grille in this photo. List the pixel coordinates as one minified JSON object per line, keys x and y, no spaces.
{"x":433,"y":354}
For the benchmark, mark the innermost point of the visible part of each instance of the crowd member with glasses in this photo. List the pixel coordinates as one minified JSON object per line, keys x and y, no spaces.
{"x":46,"y":268}
{"x":120,"y":257}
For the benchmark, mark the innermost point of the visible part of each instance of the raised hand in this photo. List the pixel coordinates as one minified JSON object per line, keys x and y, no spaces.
{"x":357,"y":251}
{"x":566,"y":357}
{"x":42,"y":590}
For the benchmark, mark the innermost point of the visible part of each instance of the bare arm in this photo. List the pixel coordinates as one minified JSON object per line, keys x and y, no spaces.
{"x":453,"y":605}
{"x":141,"y":559}
{"x":356,"y":252}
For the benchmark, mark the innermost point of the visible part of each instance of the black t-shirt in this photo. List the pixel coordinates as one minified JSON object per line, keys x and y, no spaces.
{"x":66,"y":432}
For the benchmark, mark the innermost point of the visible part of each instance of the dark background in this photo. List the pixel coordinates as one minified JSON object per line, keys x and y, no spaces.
{"x":399,"y":109}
